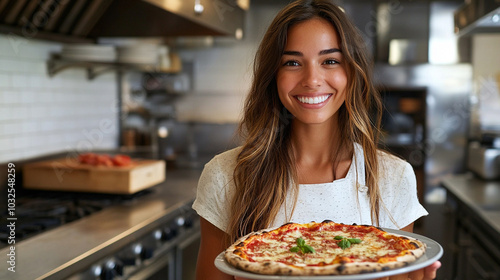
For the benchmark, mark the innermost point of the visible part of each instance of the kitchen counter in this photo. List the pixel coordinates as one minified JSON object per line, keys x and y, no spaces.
{"x":81,"y":243}
{"x":474,"y":230}
{"x":481,"y":197}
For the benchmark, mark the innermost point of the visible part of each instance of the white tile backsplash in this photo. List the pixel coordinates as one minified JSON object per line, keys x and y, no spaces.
{"x":5,"y":80}
{"x":4,"y":144}
{"x":42,"y":115}
{"x":10,"y":97}
{"x":4,"y":112}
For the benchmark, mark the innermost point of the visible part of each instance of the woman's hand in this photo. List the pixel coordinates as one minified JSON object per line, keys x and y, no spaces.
{"x":427,"y":273}
{"x":430,"y":271}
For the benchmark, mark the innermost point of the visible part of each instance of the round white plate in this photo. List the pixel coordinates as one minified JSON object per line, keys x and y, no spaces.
{"x":433,"y":253}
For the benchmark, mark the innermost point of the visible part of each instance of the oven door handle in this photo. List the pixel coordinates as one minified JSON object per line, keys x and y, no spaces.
{"x":158,"y":264}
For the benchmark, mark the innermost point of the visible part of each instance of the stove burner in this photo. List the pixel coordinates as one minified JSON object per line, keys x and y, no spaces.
{"x":39,"y":211}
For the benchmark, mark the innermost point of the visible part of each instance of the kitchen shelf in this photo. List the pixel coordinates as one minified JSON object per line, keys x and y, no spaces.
{"x":95,"y":68}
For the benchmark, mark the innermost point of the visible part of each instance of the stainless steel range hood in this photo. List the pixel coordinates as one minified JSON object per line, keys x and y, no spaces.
{"x":86,"y":20}
{"x":478,"y":16}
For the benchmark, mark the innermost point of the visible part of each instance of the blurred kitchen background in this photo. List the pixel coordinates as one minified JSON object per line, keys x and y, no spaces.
{"x":167,"y":79}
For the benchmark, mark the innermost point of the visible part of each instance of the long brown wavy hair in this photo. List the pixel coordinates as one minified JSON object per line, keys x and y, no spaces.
{"x":265,"y":171}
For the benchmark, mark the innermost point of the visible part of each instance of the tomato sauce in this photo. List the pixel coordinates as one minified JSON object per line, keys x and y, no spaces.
{"x":323,"y":242}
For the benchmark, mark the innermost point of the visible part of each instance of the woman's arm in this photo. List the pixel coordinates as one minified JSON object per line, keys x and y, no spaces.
{"x":212,"y":243}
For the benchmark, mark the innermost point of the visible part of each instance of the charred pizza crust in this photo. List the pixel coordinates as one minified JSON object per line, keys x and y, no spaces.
{"x":349,"y":261}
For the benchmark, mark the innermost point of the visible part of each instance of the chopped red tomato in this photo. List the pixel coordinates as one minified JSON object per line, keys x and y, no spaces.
{"x":121,"y":160}
{"x":88,"y":158}
{"x":104,"y":160}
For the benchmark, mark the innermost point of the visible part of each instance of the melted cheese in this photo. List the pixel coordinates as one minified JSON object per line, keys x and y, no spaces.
{"x":275,"y":249}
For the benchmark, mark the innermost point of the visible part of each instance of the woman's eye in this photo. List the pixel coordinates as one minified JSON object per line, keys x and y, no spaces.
{"x":291,"y":63}
{"x":330,"y":61}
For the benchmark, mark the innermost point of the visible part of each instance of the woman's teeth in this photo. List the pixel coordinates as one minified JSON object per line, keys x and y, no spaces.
{"x":313,"y":100}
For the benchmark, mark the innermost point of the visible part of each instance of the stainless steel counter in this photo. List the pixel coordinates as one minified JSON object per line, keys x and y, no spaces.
{"x":81,"y":243}
{"x":479,"y":196}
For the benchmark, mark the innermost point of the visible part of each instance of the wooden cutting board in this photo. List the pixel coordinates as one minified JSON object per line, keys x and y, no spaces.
{"x":68,"y":174}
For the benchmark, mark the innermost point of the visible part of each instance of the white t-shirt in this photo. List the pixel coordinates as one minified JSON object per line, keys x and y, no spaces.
{"x":340,"y":201}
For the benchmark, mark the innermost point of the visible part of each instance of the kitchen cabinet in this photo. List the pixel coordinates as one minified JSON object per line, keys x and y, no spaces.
{"x":475,"y":233}
{"x":476,"y":254}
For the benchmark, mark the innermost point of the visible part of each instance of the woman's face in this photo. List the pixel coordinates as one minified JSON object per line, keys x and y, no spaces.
{"x":312,"y":79}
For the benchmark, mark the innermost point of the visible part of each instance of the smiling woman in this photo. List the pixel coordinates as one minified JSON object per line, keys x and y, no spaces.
{"x":309,"y":149}
{"x":312,"y":79}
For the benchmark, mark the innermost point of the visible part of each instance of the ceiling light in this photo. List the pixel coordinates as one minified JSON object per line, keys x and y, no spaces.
{"x":495,"y":18}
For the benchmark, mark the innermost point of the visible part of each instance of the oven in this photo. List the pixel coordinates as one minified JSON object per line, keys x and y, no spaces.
{"x":152,"y":234}
{"x":168,"y":252}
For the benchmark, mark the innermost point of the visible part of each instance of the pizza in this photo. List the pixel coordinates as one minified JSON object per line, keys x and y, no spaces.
{"x":325,"y":248}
